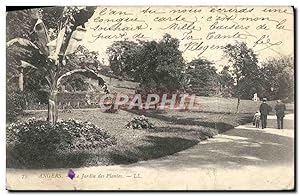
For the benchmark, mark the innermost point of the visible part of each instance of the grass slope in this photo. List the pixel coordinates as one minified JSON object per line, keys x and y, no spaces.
{"x":176,"y":131}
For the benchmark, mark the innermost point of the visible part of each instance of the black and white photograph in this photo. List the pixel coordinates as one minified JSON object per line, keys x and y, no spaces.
{"x":150,"y":98}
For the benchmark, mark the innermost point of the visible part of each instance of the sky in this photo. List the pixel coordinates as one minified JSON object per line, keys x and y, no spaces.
{"x":202,"y":31}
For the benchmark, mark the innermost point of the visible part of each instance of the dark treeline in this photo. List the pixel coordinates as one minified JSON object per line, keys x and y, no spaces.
{"x":159,"y":67}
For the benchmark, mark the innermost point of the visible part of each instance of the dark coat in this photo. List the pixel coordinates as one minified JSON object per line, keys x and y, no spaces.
{"x":280,"y":108}
{"x":265,"y":109}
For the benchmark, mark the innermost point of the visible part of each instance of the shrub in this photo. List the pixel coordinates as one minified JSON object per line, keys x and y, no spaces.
{"x":15,"y":103}
{"x":140,"y":122}
{"x":110,"y":110}
{"x":110,"y":103}
{"x":38,"y":143}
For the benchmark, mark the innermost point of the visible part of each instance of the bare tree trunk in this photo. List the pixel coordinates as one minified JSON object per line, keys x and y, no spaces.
{"x":52,"y":107}
{"x":21,"y":80}
{"x":238,"y":105}
{"x":238,"y":92}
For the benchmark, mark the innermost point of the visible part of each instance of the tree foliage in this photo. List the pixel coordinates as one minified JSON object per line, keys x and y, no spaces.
{"x":27,"y":19}
{"x":277,"y":75}
{"x":157,"y":65}
{"x":21,"y":24}
{"x":227,"y":82}
{"x":244,"y":69}
{"x":54,"y":59}
{"x":122,"y":58}
{"x":203,"y":77}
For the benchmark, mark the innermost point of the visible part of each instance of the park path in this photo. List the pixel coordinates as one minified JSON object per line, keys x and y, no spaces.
{"x":242,"y":158}
{"x":242,"y":146}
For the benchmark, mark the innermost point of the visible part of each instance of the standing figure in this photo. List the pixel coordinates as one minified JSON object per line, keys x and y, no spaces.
{"x":280,"y":108}
{"x":256,"y":119}
{"x":264,"y":111}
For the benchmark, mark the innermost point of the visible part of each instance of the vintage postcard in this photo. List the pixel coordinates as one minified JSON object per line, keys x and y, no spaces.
{"x":150,"y":98}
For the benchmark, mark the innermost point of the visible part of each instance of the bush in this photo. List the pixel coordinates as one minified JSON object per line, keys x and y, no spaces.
{"x":140,"y":122}
{"x":37,"y":143}
{"x":15,"y":103}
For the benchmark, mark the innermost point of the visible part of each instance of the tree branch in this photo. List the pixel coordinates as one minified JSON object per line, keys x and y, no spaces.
{"x":83,"y":72}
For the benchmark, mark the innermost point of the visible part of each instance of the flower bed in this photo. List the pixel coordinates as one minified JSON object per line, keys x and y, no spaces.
{"x":37,"y":143}
{"x":140,"y":122}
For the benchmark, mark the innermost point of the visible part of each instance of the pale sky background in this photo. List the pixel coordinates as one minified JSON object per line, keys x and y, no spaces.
{"x":279,"y":24}
{"x":282,"y":17}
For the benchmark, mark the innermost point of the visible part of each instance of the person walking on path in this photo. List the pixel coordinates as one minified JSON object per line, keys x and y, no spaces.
{"x":280,"y":108}
{"x":256,"y":119}
{"x":264,"y":111}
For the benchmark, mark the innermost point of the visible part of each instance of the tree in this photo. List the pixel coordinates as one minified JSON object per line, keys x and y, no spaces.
{"x":203,"y":77}
{"x":13,"y":20}
{"x":157,"y":65}
{"x":13,"y":29}
{"x":28,"y":19}
{"x":122,"y":58}
{"x":81,"y":58}
{"x":161,"y":66}
{"x":277,"y":75}
{"x":54,"y":59}
{"x":227,"y":81}
{"x":243,"y":62}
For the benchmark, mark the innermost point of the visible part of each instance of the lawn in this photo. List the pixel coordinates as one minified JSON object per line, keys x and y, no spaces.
{"x":174,"y":132}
